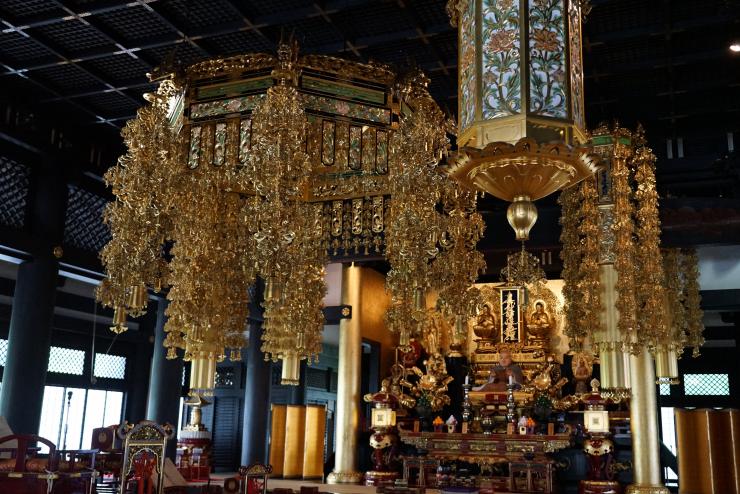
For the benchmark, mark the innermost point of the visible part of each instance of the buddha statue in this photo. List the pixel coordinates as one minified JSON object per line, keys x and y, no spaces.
{"x":485,"y":325}
{"x":539,"y":324}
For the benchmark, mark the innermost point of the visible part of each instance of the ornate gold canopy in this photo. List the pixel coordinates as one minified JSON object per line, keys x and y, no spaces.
{"x":263,"y":166}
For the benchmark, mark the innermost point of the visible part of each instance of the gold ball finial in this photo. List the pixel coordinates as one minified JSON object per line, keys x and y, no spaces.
{"x":522,"y":215}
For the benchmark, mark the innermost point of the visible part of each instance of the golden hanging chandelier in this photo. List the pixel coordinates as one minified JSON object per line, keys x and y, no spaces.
{"x":413,"y":230}
{"x":657,"y":294}
{"x":262,"y":166}
{"x":433,"y":224}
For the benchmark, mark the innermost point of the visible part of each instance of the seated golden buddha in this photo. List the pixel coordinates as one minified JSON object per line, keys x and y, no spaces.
{"x":539,"y":324}
{"x":485,"y":326}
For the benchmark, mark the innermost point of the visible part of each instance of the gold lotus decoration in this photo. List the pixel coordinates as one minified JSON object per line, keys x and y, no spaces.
{"x":526,"y":168}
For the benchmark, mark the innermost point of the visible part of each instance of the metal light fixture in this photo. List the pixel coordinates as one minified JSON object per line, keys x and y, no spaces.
{"x":521,"y":111}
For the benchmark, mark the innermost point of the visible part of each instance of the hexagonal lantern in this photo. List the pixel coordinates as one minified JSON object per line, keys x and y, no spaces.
{"x":521,"y":117}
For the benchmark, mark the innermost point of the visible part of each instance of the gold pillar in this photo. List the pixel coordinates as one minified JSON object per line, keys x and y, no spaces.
{"x":348,"y":383}
{"x":644,"y":427}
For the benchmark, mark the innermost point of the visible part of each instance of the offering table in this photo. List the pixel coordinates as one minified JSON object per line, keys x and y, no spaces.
{"x":525,"y":456}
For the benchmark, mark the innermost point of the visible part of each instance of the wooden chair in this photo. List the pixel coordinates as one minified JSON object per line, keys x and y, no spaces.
{"x":254,"y":478}
{"x":25,"y":472}
{"x":143,"y":455}
{"x":24,"y":456}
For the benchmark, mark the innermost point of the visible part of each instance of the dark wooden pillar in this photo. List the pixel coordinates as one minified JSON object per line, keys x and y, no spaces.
{"x":140,"y":366}
{"x":29,"y":341}
{"x":29,"y":337}
{"x":256,"y":392}
{"x":165,"y":382}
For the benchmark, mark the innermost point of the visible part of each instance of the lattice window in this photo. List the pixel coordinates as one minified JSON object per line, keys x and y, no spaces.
{"x":3,"y":352}
{"x":66,"y":361}
{"x":225,"y":377}
{"x":14,"y":182}
{"x":665,"y":389}
{"x":110,"y":366}
{"x":706,"y":384}
{"x":83,"y":226}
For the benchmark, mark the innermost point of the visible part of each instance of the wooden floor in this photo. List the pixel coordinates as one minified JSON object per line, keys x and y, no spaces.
{"x":218,"y":478}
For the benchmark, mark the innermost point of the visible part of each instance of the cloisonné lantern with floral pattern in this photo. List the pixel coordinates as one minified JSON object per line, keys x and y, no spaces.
{"x":521,"y":119}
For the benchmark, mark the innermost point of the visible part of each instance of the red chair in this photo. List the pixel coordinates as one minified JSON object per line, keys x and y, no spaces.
{"x":144,"y":465}
{"x":143,"y":449}
{"x":254,"y":478}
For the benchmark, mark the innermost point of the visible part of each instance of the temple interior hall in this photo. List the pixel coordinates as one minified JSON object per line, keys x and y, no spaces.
{"x":360,"y":246}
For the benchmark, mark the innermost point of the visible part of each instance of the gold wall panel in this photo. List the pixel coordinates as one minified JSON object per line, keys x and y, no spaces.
{"x":708,"y":454}
{"x":295,"y":428}
{"x":374,"y":300}
{"x":277,"y":440}
{"x":733,"y":419}
{"x":313,"y":449}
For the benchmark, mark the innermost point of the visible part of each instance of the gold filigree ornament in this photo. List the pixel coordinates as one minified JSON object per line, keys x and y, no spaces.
{"x":656,"y":293}
{"x":692,"y":299}
{"x":415,"y":226}
{"x":459,"y":263}
{"x":290,"y":248}
{"x":581,"y":237}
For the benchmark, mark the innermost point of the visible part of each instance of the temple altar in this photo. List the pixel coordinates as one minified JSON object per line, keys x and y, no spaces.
{"x":525,"y":456}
